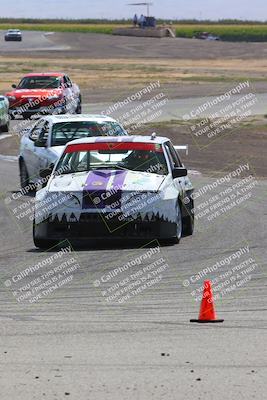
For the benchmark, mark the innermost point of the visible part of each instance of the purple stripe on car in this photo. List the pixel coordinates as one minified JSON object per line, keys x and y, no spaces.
{"x":97,"y":180}
{"x":95,"y":189}
{"x":119,"y":180}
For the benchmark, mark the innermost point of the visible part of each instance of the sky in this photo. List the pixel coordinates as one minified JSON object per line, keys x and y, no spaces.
{"x":112,"y":9}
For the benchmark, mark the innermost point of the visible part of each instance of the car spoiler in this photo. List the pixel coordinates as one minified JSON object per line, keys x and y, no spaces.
{"x":183,"y":148}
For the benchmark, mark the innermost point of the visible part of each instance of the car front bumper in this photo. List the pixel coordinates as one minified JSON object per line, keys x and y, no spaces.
{"x":95,"y":227}
{"x":46,"y":110}
{"x":13,"y":38}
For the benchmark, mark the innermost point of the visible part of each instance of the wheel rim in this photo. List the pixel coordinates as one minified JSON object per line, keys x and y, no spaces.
{"x":179,"y":222}
{"x":23,"y":174}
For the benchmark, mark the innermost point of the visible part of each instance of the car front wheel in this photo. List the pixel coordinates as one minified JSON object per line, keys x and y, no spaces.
{"x":4,"y":128}
{"x":24,"y":176}
{"x":188,"y":219}
{"x":79,"y":106}
{"x":179,"y":225}
{"x":43,"y":244}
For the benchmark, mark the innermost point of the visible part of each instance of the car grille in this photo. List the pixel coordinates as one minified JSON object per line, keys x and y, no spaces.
{"x":99,"y":200}
{"x":94,"y":225}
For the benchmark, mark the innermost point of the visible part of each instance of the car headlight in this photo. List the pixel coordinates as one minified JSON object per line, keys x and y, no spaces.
{"x":54,"y":97}
{"x":11,"y":98}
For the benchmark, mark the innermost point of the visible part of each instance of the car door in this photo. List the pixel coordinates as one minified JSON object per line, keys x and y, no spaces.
{"x":29,"y":149}
{"x":183,"y":184}
{"x":41,"y":153}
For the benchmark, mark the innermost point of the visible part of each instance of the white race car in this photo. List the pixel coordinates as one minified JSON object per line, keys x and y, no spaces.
{"x":42,"y":145}
{"x":118,"y":187}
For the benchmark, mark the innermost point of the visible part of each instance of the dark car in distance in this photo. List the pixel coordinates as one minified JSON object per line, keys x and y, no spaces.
{"x":13,"y":35}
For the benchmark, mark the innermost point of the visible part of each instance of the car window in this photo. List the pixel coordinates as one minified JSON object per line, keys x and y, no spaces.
{"x":173,"y":156}
{"x":143,"y":157}
{"x":44,"y":131}
{"x":64,"y":132}
{"x":36,"y":131}
{"x":67,"y":81}
{"x":40,"y":82}
{"x":3,"y":106}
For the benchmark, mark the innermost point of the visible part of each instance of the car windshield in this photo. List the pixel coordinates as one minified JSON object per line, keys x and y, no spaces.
{"x":64,"y":132}
{"x":134,"y":156}
{"x":40,"y":82}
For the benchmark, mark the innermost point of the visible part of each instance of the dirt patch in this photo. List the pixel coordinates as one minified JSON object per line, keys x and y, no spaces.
{"x":105,"y":80}
{"x":246,"y":143}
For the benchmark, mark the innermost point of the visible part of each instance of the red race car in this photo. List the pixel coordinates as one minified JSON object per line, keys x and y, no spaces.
{"x":43,"y":94}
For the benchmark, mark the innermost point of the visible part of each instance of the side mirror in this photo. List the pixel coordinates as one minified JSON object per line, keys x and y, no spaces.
{"x":179,"y":172}
{"x":40,"y":143}
{"x":45,"y":174}
{"x":14,"y":86}
{"x":25,"y":131}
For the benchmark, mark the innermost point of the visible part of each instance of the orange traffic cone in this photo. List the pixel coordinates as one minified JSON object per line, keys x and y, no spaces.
{"x":207,"y":309}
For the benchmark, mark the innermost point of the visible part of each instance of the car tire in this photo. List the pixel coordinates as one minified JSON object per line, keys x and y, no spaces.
{"x":23,"y":174}
{"x":43,"y":244}
{"x":177,"y":237}
{"x":79,"y":106}
{"x":188,"y":219}
{"x":4,"y":128}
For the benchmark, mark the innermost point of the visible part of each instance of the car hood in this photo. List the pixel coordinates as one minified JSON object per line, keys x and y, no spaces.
{"x":107,"y":180}
{"x":133,"y":194}
{"x":21,"y":93}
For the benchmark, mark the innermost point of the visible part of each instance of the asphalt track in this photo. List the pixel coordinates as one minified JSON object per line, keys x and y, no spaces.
{"x":176,"y":109}
{"x":93,"y":45}
{"x":31,"y":42}
{"x":74,"y":344}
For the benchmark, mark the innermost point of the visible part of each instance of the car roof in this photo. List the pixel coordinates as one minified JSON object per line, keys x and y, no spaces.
{"x":55,"y":74}
{"x":124,"y":139}
{"x":78,"y":117}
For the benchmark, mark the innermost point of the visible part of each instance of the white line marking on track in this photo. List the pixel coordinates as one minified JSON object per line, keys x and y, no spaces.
{"x":5,"y":136}
{"x":194,"y":172}
{"x":8,"y":158}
